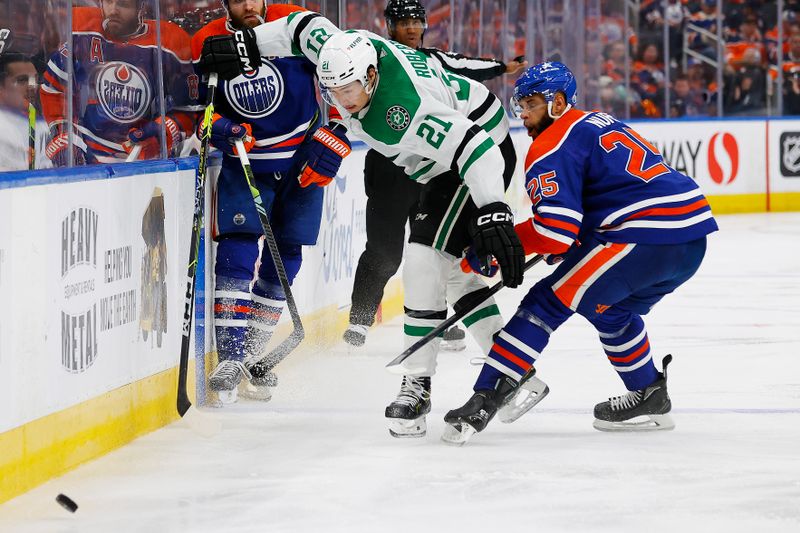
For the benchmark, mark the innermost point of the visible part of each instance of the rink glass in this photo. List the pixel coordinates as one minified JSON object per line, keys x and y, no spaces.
{"x":632,"y":59}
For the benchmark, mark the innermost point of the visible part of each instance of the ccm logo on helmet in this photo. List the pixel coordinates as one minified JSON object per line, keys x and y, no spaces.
{"x":241,"y":49}
{"x":494,"y":217}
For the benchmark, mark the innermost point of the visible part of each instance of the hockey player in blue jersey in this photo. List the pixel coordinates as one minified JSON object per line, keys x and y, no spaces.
{"x":115,"y":86}
{"x":274,"y":110}
{"x":625,"y":230}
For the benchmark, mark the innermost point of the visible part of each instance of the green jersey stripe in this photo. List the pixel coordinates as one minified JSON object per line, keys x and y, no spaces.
{"x":416,"y":175}
{"x":494,"y":121}
{"x":480,"y":314}
{"x":453,"y":210}
{"x":418,"y":331}
{"x":476,"y":153}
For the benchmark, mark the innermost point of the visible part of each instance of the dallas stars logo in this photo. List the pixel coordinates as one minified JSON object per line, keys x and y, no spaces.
{"x":398,"y":118}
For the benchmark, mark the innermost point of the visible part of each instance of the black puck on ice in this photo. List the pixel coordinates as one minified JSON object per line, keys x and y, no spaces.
{"x":67,"y":503}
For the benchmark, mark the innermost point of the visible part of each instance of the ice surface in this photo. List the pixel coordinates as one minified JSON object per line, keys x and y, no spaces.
{"x":318,"y":458}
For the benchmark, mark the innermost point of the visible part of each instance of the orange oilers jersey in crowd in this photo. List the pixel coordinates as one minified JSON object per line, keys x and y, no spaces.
{"x":116,"y":83}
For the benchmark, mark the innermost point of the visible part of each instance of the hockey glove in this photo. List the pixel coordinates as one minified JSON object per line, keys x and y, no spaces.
{"x":225,"y":133}
{"x":148,"y":136}
{"x":492,"y":232}
{"x":230,"y":55}
{"x":56,"y":149}
{"x":470,"y":263}
{"x":329,"y":146}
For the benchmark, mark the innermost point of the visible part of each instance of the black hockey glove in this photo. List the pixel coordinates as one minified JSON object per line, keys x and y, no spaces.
{"x":492,"y":232}
{"x":230,"y":55}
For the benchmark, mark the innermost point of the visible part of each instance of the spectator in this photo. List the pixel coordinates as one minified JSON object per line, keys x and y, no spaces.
{"x":647,"y":79}
{"x":684,"y":101}
{"x":16,"y":73}
{"x":747,"y":95}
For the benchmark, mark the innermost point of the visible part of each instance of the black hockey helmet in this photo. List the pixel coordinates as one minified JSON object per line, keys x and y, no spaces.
{"x":404,"y":9}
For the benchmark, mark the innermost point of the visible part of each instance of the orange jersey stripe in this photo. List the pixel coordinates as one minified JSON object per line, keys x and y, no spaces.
{"x":552,"y":136}
{"x":511,"y":357}
{"x":554,"y":223}
{"x":634,"y":355}
{"x":567,"y":291}
{"x":668,"y":211}
{"x":231,"y":308}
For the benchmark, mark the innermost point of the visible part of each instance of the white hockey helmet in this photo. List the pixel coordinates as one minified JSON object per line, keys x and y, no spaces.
{"x":345,"y":57}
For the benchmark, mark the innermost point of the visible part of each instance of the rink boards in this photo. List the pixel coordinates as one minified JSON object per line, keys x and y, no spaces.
{"x":92,"y":275}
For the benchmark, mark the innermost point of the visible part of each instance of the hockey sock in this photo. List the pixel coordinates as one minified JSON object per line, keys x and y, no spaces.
{"x":236,"y":258}
{"x":231,"y":311}
{"x":269,"y":298}
{"x":627,"y":347}
{"x":268,"y":303}
{"x":521,"y":341}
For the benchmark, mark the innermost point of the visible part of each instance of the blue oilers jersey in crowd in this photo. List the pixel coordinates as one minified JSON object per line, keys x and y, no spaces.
{"x":589,"y":173}
{"x":278,"y":100}
{"x":115,"y":84}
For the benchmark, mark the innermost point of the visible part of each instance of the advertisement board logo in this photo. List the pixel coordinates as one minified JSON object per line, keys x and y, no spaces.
{"x":78,"y":272}
{"x":790,"y":154}
{"x":723,"y":158}
{"x":153,"y":317}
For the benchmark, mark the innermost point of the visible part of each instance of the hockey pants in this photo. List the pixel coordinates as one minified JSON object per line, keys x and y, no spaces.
{"x":431,"y":280}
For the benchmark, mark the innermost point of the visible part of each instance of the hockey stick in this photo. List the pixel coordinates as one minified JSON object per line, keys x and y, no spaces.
{"x":134,"y":155}
{"x":395,"y":365}
{"x":260,"y":368}
{"x":197,"y":223}
{"x":31,"y":124}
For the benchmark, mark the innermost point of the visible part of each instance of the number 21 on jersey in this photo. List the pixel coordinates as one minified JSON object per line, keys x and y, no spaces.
{"x":627,"y":140}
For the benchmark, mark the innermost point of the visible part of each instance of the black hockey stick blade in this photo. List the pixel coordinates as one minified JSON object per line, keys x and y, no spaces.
{"x":183,"y":402}
{"x":260,"y":368}
{"x":396,"y":365}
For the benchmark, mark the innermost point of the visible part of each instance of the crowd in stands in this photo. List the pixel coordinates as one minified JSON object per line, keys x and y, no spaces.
{"x":750,"y":62}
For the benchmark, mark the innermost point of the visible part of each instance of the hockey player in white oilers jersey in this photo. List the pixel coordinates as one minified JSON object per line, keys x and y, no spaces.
{"x":441,"y":128}
{"x":625,"y":230}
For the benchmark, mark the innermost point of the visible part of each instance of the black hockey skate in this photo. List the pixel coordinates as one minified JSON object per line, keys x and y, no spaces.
{"x":509,"y":398}
{"x":640,"y":410}
{"x":224,"y":380}
{"x":454,"y":340}
{"x":261,"y":380}
{"x":407,"y":413}
{"x":355,"y":335}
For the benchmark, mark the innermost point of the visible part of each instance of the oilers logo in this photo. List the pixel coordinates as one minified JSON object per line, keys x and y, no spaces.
{"x":256,"y":94}
{"x":123,"y":91}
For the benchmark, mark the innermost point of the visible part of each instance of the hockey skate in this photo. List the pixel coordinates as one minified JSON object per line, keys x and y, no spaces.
{"x":454,"y":340}
{"x":640,"y":410}
{"x":407,"y":413}
{"x":259,"y":387}
{"x":355,"y":335}
{"x":510,"y":398}
{"x":224,"y":380}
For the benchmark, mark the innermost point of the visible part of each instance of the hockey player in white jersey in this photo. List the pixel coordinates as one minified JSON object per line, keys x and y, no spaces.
{"x":441,"y":128}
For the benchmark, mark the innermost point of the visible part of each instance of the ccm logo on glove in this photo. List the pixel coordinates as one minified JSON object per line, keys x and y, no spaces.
{"x":494,"y":217}
{"x":241,"y":48}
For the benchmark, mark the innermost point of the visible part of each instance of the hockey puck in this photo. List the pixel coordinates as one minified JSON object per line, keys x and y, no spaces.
{"x":67,"y":503}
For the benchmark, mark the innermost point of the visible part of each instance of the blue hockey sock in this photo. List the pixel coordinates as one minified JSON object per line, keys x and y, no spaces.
{"x":628,"y":351}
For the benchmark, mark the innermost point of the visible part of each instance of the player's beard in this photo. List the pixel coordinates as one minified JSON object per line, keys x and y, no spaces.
{"x":537,"y":129}
{"x":249,"y":20}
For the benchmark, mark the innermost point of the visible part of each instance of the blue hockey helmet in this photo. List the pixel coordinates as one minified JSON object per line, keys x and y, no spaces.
{"x":547,"y":79}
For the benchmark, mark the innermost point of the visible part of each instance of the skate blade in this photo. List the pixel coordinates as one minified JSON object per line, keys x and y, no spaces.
{"x":226,"y":397}
{"x":401,"y":428}
{"x":530,"y":393}
{"x":639,"y":423}
{"x":453,"y":346}
{"x":252,"y":392}
{"x":457,"y":434}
